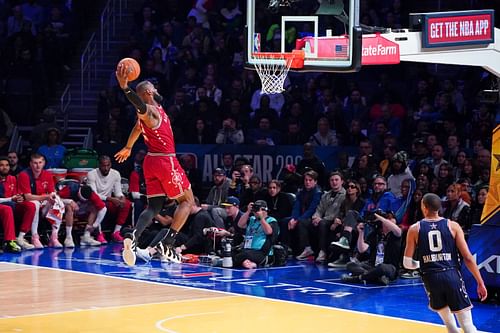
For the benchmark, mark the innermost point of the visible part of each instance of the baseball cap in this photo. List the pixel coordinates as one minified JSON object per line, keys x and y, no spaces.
{"x":218,"y":172}
{"x":231,"y":201}
{"x":261,"y":204}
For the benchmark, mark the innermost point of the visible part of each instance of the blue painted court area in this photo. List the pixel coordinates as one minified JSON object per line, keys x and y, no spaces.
{"x":303,"y":282}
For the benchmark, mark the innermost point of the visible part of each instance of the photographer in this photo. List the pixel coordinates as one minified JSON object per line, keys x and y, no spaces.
{"x":229,"y":134}
{"x":261,"y":234}
{"x":379,"y":246}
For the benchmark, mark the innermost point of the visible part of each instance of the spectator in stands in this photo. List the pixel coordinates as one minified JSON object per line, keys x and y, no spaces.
{"x":254,"y":192}
{"x":399,"y":172}
{"x":47,"y":121}
{"x":310,"y":161}
{"x":200,"y":134}
{"x":324,"y":216}
{"x":355,"y":108}
{"x":16,"y":22}
{"x":456,"y":209}
{"x":37,"y":186}
{"x":365,"y":167}
{"x":279,"y":203}
{"x":188,"y":163}
{"x":478,"y":205}
{"x":106,"y":182}
{"x":436,"y":159}
{"x":346,"y":222}
{"x":265,"y":111}
{"x":33,"y":12}
{"x":229,"y":134}
{"x":458,"y":165}
{"x":213,"y":92}
{"x":355,"y":135}
{"x":483,"y":159}
{"x":445,"y":177}
{"x":264,"y":134}
{"x":294,"y":134}
{"x":260,"y":236}
{"x":384,"y":165}
{"x":453,"y":147}
{"x":324,"y":135}
{"x":53,"y":150}
{"x":15,"y":167}
{"x":305,"y":205}
{"x":227,"y":163}
{"x":219,"y":191}
{"x":200,"y":11}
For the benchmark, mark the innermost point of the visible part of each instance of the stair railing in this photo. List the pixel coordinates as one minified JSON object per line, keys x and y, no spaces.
{"x":88,"y":60}
{"x":65,"y":101}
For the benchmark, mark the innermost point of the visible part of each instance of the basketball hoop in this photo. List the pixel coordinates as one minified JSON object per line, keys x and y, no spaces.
{"x":273,"y":68}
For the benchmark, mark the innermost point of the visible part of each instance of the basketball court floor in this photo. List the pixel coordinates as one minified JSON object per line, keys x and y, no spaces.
{"x":90,"y":290}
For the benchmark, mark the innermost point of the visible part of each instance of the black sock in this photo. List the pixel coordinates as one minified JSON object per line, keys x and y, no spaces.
{"x":347,"y":234}
{"x":169,"y":239}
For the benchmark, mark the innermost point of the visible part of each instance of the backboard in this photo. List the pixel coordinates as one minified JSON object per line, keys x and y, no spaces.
{"x":326,"y":30}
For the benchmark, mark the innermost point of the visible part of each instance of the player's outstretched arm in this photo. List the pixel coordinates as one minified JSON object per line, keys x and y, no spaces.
{"x":468,"y":259}
{"x":124,"y":153}
{"x":121,"y":76}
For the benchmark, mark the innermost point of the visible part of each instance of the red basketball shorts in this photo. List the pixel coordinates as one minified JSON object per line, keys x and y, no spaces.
{"x":164,"y":176}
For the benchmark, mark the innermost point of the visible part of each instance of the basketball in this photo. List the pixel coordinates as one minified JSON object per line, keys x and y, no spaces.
{"x":133,"y":68}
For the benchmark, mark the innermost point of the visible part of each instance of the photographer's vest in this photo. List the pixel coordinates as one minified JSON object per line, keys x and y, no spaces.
{"x":255,"y":236}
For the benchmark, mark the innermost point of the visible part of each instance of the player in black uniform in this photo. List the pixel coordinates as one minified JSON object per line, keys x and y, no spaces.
{"x":439,"y":241}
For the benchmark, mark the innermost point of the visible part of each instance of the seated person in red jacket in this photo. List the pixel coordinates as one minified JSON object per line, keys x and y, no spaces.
{"x":37,"y":186}
{"x":11,"y":200}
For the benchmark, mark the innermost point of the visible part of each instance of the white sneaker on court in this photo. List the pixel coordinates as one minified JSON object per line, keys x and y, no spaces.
{"x":143,"y":254}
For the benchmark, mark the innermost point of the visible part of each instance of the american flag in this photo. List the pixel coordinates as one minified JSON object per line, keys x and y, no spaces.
{"x":341,"y":51}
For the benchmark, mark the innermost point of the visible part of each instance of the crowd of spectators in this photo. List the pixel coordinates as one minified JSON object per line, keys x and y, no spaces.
{"x":419,"y":128}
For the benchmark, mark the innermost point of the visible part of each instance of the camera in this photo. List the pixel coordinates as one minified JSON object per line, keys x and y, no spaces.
{"x":257,"y":206}
{"x":370,"y":218}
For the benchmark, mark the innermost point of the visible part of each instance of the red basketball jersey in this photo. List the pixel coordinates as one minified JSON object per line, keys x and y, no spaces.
{"x":9,"y":185}
{"x":161,"y":138}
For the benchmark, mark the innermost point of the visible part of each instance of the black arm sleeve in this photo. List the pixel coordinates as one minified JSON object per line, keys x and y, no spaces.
{"x":136,"y":100}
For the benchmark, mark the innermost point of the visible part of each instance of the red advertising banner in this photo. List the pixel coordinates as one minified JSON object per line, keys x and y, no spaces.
{"x":377,"y":50}
{"x":458,"y":28}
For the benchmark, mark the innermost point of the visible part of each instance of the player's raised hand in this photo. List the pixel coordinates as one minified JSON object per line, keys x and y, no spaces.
{"x":122,"y":75}
{"x":122,"y":155}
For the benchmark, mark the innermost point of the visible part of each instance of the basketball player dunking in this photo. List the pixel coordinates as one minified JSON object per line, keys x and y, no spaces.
{"x":162,"y":172}
{"x":438,"y":240}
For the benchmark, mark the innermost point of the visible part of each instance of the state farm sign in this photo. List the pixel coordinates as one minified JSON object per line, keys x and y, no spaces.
{"x":458,"y":28}
{"x":377,"y":50}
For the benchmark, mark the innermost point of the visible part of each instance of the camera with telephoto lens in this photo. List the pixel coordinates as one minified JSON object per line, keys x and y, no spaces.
{"x":370,"y":218}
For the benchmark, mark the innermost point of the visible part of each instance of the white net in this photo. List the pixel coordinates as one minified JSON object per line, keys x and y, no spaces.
{"x":272,"y":73}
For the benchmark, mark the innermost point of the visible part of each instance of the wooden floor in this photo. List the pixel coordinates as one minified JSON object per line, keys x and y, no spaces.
{"x":38,"y":300}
